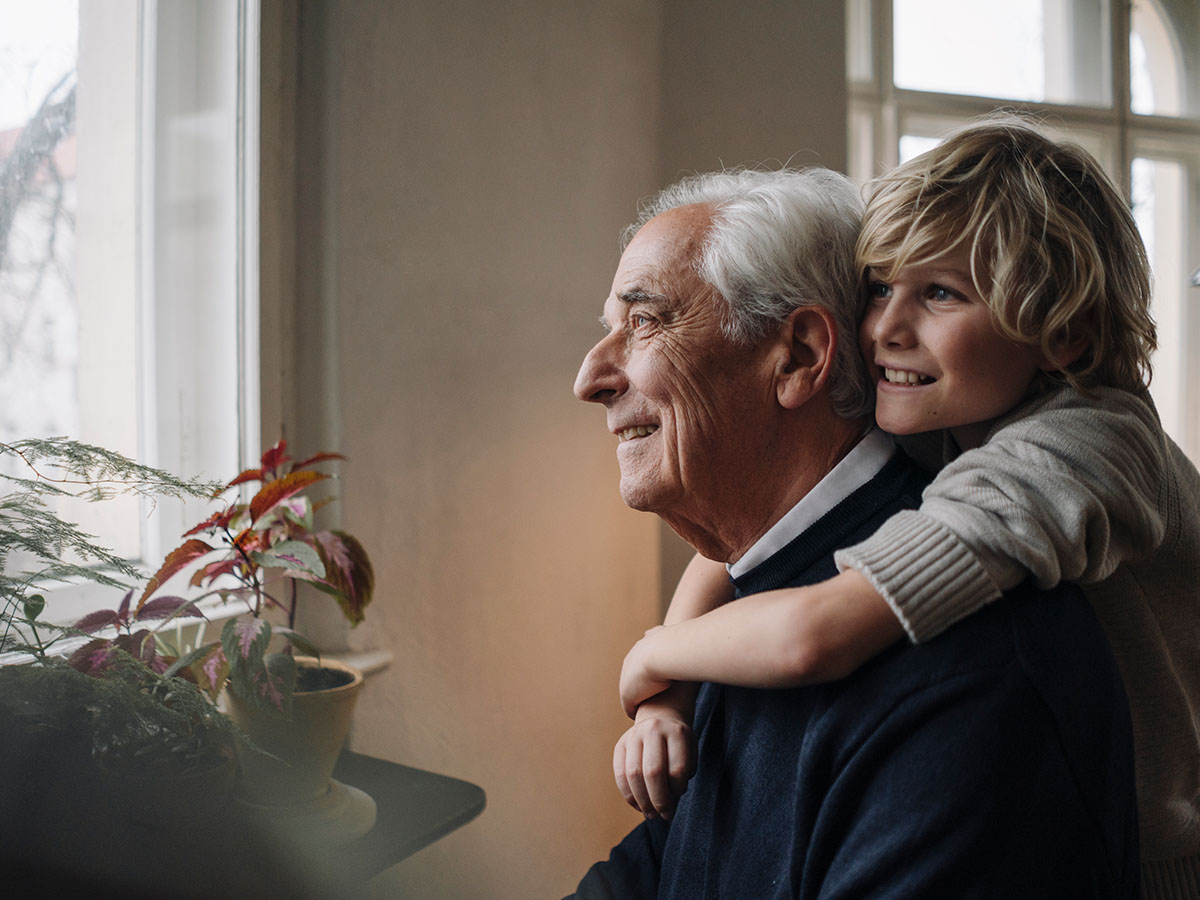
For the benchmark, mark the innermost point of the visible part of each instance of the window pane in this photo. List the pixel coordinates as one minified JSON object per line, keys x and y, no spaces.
{"x":1159,"y":207}
{"x":39,"y":318}
{"x":914,"y":145}
{"x":119,"y":246}
{"x":858,"y":41}
{"x":1041,"y":50}
{"x":1164,"y":69}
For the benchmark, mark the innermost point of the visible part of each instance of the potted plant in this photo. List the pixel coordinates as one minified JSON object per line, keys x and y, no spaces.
{"x":256,"y":551}
{"x":111,"y":705}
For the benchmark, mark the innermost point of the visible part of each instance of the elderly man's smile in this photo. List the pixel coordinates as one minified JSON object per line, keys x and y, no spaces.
{"x":635,"y":431}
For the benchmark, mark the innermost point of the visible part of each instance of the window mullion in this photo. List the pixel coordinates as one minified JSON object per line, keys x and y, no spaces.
{"x":1121,"y":22}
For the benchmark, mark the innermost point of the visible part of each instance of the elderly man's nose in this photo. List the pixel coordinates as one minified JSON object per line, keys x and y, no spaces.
{"x":599,"y":379}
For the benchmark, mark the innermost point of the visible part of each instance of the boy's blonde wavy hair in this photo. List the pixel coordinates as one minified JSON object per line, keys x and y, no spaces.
{"x":1053,"y":247}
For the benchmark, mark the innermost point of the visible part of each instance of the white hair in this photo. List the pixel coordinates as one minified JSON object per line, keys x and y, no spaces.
{"x":780,"y":240}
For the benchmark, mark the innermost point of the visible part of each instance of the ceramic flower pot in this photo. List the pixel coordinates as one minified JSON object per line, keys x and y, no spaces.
{"x":302,"y":751}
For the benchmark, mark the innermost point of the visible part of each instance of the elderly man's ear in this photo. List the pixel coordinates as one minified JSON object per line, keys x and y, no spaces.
{"x":807,"y":341}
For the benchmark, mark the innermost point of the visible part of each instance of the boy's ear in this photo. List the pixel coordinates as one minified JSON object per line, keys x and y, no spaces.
{"x":1065,"y":350}
{"x":808,"y":340}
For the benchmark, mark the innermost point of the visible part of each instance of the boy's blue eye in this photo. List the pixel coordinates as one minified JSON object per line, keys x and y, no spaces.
{"x":944,"y":294}
{"x":879,"y":290}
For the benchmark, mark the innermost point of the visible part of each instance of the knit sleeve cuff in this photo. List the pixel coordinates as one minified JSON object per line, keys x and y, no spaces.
{"x":927,"y":575}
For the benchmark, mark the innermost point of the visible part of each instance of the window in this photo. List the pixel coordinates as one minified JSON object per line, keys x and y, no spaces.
{"x":1121,"y":79}
{"x":127,"y":265}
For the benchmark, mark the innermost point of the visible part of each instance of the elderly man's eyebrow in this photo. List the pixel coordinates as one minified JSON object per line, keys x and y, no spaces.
{"x":641,"y":295}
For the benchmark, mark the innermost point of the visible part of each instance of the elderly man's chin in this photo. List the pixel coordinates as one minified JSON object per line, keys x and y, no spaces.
{"x":641,"y":493}
{"x":647,"y":491}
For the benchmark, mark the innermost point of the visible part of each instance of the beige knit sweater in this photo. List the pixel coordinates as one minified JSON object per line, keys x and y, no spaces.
{"x":1086,"y":489}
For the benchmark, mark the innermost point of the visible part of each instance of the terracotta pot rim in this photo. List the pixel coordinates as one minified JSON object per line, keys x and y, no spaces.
{"x":333,"y":665}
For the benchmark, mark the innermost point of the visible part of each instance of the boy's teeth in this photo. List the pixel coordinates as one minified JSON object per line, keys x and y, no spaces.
{"x":896,"y":376}
{"x":637,"y":431}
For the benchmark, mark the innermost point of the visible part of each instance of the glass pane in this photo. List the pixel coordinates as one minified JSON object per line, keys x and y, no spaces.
{"x":68,"y":303}
{"x":915,"y":144}
{"x":1041,"y":50}
{"x":858,"y":41}
{"x":39,"y":319}
{"x":1164,"y":61}
{"x":1159,"y":207}
{"x":119,"y":242}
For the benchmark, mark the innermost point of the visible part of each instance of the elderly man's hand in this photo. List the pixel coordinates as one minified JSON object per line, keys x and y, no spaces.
{"x":654,"y":759}
{"x":637,"y":682}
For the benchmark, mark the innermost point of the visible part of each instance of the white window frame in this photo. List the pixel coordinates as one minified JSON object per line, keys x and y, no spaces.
{"x":176,"y":398}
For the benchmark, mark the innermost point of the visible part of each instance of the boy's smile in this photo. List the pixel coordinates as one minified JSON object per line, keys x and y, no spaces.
{"x":929,"y":339}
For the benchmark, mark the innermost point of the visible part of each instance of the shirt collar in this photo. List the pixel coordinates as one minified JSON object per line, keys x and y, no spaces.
{"x":854,"y":470}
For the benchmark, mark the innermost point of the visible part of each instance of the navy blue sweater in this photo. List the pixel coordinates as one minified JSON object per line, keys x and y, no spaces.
{"x":994,"y":761}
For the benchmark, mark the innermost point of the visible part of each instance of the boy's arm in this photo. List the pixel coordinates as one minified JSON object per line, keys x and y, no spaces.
{"x":775,"y":639}
{"x":703,"y":586}
{"x":655,"y":757}
{"x":1066,"y":489}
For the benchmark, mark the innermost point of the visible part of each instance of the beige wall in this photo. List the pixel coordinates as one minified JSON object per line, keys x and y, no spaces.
{"x":443,"y":185}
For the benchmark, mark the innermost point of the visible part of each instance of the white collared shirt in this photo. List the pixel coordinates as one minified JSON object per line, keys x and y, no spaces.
{"x":856,"y":468}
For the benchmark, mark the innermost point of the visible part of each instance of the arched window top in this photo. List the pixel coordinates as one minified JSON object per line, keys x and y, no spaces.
{"x":1156,"y":63}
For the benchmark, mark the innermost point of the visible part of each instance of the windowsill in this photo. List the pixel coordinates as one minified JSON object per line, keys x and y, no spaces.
{"x":366,"y":661}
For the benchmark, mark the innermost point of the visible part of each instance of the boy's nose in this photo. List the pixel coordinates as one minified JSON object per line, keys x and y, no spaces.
{"x":600,"y":378}
{"x":891,"y":326}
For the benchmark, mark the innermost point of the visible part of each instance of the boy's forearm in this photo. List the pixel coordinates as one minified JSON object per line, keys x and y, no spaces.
{"x":678,"y":700}
{"x":778,"y":639}
{"x":703,"y":587}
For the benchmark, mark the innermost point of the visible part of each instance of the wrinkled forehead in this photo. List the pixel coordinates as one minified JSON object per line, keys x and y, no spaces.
{"x":662,"y":258}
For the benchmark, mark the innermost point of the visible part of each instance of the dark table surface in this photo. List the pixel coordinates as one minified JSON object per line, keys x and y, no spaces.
{"x":414,"y":809}
{"x":63,"y":835}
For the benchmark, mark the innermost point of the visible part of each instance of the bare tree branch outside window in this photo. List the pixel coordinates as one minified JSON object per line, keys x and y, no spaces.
{"x":38,"y":307}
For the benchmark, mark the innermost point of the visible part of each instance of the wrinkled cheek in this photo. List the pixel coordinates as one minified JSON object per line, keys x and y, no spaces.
{"x":690,"y":392}
{"x":693,"y":439}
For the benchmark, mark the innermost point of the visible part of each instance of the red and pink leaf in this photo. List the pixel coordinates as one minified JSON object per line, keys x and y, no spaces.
{"x":280,"y":489}
{"x":123,"y":609}
{"x":248,"y":475}
{"x":212,"y":570}
{"x":250,"y":540}
{"x":348,"y":571}
{"x":177,"y":560}
{"x":93,"y":658}
{"x":102,"y":618}
{"x":248,"y":630}
{"x":275,"y":457}
{"x":313,"y":460}
{"x":166,"y":607}
{"x":211,"y":671}
{"x":213,"y":522}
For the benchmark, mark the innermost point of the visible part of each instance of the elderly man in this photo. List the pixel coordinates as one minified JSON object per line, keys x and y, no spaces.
{"x":993,"y":761}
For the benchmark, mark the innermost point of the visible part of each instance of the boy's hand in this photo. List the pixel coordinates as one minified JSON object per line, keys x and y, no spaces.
{"x":637,"y":684}
{"x":654,"y":759}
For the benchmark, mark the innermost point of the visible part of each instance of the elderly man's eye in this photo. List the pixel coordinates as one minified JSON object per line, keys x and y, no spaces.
{"x":640,"y":320}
